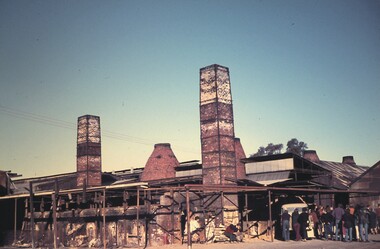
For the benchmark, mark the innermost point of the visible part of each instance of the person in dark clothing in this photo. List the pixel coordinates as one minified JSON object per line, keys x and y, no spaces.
{"x":328,"y":220}
{"x":363,"y":223}
{"x":314,"y":217}
{"x":348,"y":223}
{"x":303,"y":219}
{"x":372,"y":221}
{"x":295,"y":224}
{"x":183,"y":222}
{"x":285,"y":218}
{"x":230,"y":232}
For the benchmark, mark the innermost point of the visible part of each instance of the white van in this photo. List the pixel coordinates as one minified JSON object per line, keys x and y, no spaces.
{"x":291,"y":207}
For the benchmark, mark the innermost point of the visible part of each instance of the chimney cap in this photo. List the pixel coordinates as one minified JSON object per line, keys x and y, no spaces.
{"x":311,"y":155}
{"x":162,"y":145}
{"x":348,"y":160}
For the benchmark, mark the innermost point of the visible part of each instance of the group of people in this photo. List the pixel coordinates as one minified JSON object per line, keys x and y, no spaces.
{"x":349,"y":224}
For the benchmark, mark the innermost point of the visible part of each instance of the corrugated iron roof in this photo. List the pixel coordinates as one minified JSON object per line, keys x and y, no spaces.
{"x":343,"y":173}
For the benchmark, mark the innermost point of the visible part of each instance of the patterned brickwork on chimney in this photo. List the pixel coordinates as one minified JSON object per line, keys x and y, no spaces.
{"x":161,"y":164}
{"x":240,"y":154}
{"x":89,"y":165}
{"x":217,"y":125}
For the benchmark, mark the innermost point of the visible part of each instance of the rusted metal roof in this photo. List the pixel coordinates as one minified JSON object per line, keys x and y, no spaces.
{"x":343,"y":173}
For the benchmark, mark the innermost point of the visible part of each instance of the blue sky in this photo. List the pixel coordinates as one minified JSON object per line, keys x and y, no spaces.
{"x":299,"y":69}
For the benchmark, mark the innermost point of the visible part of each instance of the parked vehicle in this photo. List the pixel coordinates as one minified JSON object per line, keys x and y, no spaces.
{"x":291,"y":207}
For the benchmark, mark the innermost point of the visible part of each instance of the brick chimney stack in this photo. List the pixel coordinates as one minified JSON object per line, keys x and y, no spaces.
{"x":161,"y":163}
{"x":349,"y":160}
{"x":89,"y":165}
{"x":240,"y":154}
{"x":217,"y":125}
{"x":218,"y":138}
{"x":311,"y":155}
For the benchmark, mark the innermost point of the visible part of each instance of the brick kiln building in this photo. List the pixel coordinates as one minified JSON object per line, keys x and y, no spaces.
{"x":150,"y":205}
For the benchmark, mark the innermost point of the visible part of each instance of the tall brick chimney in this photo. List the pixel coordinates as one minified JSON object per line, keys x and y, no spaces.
{"x":89,"y":165}
{"x":218,"y":138}
{"x":311,"y":155}
{"x":161,"y":163}
{"x":217,"y":125}
{"x":240,"y":154}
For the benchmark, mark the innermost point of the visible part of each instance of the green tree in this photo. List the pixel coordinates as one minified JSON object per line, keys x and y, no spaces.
{"x":270,"y":149}
{"x":296,"y":147}
{"x":293,"y":146}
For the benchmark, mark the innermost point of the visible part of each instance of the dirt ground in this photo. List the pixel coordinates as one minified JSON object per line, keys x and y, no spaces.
{"x":261,"y":244}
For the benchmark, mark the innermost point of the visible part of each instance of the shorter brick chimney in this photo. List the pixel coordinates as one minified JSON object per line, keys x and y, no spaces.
{"x":240,"y":154}
{"x":348,"y":160}
{"x":161,"y":164}
{"x":311,"y":155}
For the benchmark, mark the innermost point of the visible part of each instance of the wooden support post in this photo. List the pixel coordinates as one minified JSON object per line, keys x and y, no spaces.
{"x":15,"y":224}
{"x":222,"y":207}
{"x":204,"y":235}
{"x":31,"y":213}
{"x":138,"y":217}
{"x":54,"y":201}
{"x":270,"y":215}
{"x":172,"y":216}
{"x":104,"y":219}
{"x":125,"y":207}
{"x":188,"y":219}
{"x":246,"y":210}
{"x":148,"y":210}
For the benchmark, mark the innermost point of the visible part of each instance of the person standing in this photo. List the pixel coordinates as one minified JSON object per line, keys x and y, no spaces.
{"x":372,"y":221}
{"x":377,"y":211}
{"x":348,"y":221}
{"x":327,"y":220}
{"x":295,"y":224}
{"x":338,"y":213}
{"x":285,"y":218}
{"x":303,"y":219}
{"x":352,"y":211}
{"x":363,"y":223}
{"x":315,"y":220}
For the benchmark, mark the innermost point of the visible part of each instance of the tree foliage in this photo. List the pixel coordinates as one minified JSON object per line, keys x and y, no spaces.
{"x":293,"y":145}
{"x":270,"y":149}
{"x":296,"y":147}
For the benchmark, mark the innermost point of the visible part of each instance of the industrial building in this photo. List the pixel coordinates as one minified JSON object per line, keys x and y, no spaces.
{"x":149,"y":206}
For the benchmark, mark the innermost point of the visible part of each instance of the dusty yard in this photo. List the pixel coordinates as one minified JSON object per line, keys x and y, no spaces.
{"x":261,"y":244}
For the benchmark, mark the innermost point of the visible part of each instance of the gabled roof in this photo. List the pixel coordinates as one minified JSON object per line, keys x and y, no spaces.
{"x":343,"y":173}
{"x":365,"y":173}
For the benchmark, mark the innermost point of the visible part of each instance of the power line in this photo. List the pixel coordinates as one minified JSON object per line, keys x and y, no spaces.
{"x":42,"y":119}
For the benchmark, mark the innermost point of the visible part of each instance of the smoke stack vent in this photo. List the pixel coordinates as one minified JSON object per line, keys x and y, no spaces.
{"x":89,"y":165}
{"x":240,"y":154}
{"x":348,"y":160}
{"x":311,"y":155}
{"x":161,"y":163}
{"x":217,"y":125}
